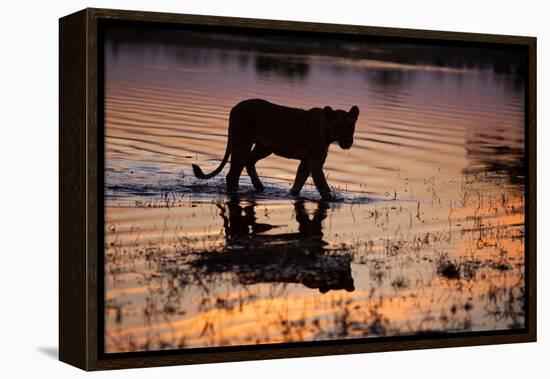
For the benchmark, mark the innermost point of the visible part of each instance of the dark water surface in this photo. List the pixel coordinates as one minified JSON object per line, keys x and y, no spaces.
{"x":428,"y":234}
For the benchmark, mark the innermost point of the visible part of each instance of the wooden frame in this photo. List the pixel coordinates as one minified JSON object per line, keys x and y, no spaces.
{"x":81,"y":186}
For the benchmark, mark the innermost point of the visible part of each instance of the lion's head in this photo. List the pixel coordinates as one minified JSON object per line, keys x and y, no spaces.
{"x":341,"y":125}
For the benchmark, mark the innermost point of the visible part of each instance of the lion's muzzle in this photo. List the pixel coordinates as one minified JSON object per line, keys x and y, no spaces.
{"x":345,"y":144}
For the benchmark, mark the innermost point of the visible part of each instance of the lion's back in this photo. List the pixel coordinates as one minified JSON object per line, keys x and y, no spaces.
{"x":266,"y":113}
{"x":283,"y":130}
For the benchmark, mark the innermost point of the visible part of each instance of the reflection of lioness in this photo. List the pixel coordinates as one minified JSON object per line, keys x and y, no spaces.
{"x":289,"y":132}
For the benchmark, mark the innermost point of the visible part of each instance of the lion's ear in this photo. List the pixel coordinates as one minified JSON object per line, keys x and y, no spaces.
{"x":354,"y":112}
{"x":328,"y":112}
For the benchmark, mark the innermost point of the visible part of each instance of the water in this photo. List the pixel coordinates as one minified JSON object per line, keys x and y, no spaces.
{"x":428,"y":232}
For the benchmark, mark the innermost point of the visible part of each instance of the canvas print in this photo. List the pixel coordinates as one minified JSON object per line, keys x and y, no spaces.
{"x":266,"y":187}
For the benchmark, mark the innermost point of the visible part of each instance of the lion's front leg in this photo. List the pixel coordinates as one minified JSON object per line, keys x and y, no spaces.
{"x":321,"y":182}
{"x":301,"y":176}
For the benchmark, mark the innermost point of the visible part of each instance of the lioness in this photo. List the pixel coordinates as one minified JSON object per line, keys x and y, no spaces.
{"x":288,"y":132}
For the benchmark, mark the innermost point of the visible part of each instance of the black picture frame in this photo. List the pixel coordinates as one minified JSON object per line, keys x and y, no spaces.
{"x":81,"y":193}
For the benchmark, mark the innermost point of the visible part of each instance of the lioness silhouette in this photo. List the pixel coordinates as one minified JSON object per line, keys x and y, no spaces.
{"x":258,"y":128}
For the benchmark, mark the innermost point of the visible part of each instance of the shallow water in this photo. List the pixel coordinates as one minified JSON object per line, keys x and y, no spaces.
{"x":427,"y":235}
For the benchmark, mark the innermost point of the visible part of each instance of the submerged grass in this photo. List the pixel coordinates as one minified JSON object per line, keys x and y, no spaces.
{"x":381,"y":272}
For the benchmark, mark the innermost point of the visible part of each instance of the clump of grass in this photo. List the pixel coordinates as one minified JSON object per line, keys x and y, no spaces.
{"x":500,"y":266}
{"x":400,"y":283}
{"x":469,"y":268}
{"x":447,"y":268}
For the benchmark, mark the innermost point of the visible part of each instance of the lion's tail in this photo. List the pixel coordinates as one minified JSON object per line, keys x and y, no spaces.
{"x":201,"y":175}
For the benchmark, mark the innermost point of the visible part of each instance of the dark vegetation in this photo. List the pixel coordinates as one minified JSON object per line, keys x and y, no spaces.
{"x":287,"y":56}
{"x":254,"y":251}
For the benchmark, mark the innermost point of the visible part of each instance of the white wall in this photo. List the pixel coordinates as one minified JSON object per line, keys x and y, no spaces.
{"x":28,"y":277}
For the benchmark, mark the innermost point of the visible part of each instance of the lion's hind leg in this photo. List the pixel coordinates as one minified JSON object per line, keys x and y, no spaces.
{"x":239,"y":156}
{"x":232,"y":178}
{"x":259,"y":152}
{"x":301,"y":176}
